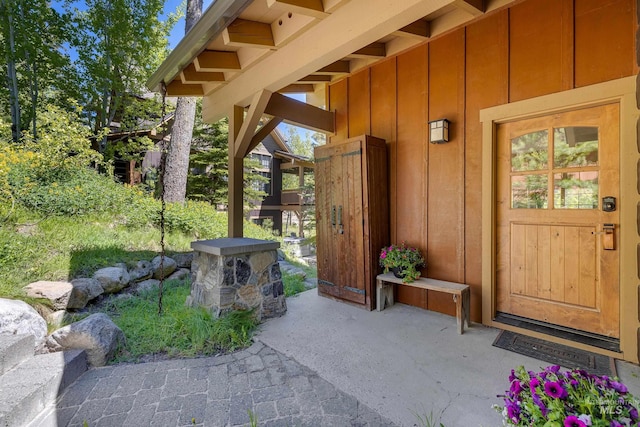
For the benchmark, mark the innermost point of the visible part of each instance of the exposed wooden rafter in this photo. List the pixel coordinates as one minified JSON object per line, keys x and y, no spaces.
{"x":374,"y":50}
{"x":177,"y":88}
{"x":316,"y":78}
{"x":474,"y":7}
{"x":191,"y":76}
{"x":420,"y":29}
{"x":242,"y":32}
{"x":338,"y":67}
{"x":216,"y":60}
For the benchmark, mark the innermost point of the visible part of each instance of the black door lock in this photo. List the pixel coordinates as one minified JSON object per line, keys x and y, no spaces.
{"x":608,"y":204}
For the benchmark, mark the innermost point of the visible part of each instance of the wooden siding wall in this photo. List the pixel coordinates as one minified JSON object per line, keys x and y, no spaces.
{"x":533,"y":48}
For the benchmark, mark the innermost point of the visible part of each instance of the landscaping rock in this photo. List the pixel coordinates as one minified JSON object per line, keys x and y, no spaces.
{"x":180,"y":274}
{"x":56,"y":292}
{"x":183,"y":259}
{"x":169,"y":267}
{"x":146,"y":285}
{"x":96,"y":334}
{"x":18,"y":317}
{"x":142,"y":271}
{"x":85,"y":289}
{"x":112,"y":279}
{"x":292,"y":269}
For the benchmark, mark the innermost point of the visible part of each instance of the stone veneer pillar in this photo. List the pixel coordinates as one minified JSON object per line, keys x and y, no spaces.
{"x":237,"y":274}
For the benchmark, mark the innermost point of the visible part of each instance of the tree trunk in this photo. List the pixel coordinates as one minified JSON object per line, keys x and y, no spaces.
{"x":177,"y":163}
{"x":12,"y":78}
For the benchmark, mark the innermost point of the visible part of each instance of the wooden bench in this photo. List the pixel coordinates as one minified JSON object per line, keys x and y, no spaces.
{"x":460,"y":292}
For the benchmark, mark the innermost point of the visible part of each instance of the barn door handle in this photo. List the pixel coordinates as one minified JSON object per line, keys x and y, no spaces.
{"x":333,"y":216}
{"x":340,"y":216}
{"x":608,"y":236}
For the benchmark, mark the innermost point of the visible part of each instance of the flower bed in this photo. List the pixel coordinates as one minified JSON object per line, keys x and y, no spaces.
{"x":552,"y":398}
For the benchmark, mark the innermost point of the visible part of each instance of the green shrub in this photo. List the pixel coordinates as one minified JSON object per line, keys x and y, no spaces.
{"x":180,"y":331}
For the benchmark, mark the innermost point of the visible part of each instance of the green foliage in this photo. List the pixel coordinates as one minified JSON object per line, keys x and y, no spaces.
{"x":293,"y":284}
{"x":119,"y":43}
{"x":180,"y":331}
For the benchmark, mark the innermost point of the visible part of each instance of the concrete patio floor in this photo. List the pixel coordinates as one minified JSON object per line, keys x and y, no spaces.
{"x":404,"y":362}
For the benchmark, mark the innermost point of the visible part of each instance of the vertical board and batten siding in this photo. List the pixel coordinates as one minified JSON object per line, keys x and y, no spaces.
{"x":532,"y":48}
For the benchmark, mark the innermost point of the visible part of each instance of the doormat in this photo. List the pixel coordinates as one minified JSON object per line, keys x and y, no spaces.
{"x":556,"y":354}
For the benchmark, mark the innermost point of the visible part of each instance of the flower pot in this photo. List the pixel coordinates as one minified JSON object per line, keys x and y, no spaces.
{"x":398,"y":272}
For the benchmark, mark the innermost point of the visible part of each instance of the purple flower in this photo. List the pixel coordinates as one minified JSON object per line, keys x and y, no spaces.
{"x":633,"y":414}
{"x":554,"y":389}
{"x":533,"y":384}
{"x":573,"y":421}
{"x":615,"y":423}
{"x":516,"y":387}
{"x":540,"y":403}
{"x":619,"y":387}
{"x":513,"y":412}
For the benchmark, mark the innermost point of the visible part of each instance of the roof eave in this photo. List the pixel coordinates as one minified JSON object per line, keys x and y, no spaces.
{"x":212,"y":22}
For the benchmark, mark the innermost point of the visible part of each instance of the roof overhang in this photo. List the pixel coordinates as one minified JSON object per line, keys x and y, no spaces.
{"x":242,"y":48}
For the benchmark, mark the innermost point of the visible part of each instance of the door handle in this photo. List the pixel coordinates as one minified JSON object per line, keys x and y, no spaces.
{"x":333,"y":216}
{"x":608,"y":236}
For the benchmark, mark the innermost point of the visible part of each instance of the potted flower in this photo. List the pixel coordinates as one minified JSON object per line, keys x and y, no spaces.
{"x":404,"y":261}
{"x":552,"y":398}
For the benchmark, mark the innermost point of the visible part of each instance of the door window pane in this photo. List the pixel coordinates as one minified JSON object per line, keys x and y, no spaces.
{"x":529,"y":191}
{"x":578,"y":190}
{"x":530,"y":152}
{"x":575,"y":146}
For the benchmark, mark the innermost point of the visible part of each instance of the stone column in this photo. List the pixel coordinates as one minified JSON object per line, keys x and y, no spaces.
{"x":237,"y":274}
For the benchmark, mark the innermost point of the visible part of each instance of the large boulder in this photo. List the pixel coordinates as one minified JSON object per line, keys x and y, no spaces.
{"x":142,"y":271}
{"x":96,"y":334}
{"x":112,"y":279}
{"x":169,"y":266}
{"x":18,"y":317}
{"x":58,"y":293}
{"x":85,"y":289}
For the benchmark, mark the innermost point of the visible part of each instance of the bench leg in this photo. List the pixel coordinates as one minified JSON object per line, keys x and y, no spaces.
{"x":384,"y":294}
{"x":466,"y":306}
{"x":459,"y":313}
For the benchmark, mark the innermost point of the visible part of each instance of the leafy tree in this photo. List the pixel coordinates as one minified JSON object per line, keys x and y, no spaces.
{"x":119,"y":44}
{"x":36,"y":69}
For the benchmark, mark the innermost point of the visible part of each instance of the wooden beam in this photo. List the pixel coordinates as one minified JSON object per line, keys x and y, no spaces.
{"x":298,"y":88}
{"x":190,"y":76}
{"x":338,"y":67}
{"x":217,"y":60}
{"x":474,"y":7}
{"x":251,"y":121}
{"x":235,"y":202}
{"x":177,"y":88}
{"x":312,"y":8}
{"x":420,"y":29}
{"x":300,"y":113}
{"x":263,"y":132}
{"x":242,"y":32}
{"x":316,"y":78}
{"x":377,"y":50}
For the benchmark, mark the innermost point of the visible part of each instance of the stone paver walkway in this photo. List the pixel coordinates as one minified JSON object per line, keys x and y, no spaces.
{"x":213,"y":391}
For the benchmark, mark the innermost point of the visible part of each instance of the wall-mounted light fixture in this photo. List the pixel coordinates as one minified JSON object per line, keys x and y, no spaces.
{"x":439,"y":131}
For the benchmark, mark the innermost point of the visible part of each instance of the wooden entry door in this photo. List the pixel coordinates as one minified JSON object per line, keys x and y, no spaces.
{"x":552,"y":263}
